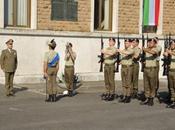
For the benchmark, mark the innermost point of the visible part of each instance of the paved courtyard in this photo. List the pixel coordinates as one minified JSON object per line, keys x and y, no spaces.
{"x":85,"y":111}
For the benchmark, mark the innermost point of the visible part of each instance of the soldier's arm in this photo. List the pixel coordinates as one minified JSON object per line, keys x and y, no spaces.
{"x":67,"y":55}
{"x":45,"y":67}
{"x":153,"y":52}
{"x":57,"y":67}
{"x":2,"y":60}
{"x":137,"y":54}
{"x":171,"y":52}
{"x":74,"y":55}
{"x":125,"y":52}
{"x":16,"y":60}
{"x":109,"y":53}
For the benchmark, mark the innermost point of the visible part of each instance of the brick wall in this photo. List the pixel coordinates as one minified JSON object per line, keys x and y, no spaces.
{"x":129,"y":11}
{"x":169,"y":16}
{"x":44,"y":17}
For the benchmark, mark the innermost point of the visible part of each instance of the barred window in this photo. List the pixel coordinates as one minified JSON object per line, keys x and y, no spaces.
{"x":65,"y":10}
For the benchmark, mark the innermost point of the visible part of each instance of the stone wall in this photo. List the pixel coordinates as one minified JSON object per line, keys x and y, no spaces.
{"x":129,"y":16}
{"x":44,"y":17}
{"x":169,"y":17}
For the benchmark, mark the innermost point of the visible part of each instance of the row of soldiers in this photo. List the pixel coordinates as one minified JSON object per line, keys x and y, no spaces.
{"x":9,"y":64}
{"x":129,"y":60}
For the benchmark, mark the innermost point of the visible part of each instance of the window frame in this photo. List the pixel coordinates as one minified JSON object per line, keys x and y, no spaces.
{"x":110,"y":17}
{"x":15,"y":15}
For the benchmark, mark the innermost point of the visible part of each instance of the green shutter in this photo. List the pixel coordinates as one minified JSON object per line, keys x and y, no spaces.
{"x":58,"y":9}
{"x":72,"y":8}
{"x":64,"y":10}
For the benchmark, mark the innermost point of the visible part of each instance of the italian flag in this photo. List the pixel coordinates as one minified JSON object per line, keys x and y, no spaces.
{"x":151,"y":12}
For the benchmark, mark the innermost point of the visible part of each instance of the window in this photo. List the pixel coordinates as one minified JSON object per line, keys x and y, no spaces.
{"x":65,"y":10}
{"x":103,"y":15}
{"x":151,"y":9}
{"x":17,"y":13}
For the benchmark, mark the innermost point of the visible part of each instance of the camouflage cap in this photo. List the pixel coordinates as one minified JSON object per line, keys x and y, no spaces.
{"x":52,"y":43}
{"x":9,"y":41}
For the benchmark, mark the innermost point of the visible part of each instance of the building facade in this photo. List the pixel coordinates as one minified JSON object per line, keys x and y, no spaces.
{"x":31,"y":23}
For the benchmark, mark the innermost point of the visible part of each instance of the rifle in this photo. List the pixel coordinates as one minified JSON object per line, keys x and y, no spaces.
{"x":118,"y":55}
{"x":143,"y":54}
{"x":166,"y":59}
{"x":101,"y":56}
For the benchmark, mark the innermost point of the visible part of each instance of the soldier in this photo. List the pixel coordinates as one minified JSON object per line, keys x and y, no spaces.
{"x":126,"y":71}
{"x":150,"y":73}
{"x":9,"y":65}
{"x":109,"y":70}
{"x":171,"y":73}
{"x":70,"y":57}
{"x":159,"y":49}
{"x":135,"y":76}
{"x":50,"y":68}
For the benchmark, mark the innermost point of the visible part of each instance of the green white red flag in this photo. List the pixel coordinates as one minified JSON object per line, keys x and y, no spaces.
{"x":151,"y":12}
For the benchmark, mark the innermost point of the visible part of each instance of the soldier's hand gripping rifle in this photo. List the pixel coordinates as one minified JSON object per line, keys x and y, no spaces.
{"x":142,"y":60}
{"x":101,"y":56}
{"x":117,"y":55}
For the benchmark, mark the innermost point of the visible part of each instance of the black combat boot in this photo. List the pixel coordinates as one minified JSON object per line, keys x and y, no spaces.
{"x":116,"y":96}
{"x":107,"y":97}
{"x":145,"y":102}
{"x":103,"y":96}
{"x":151,"y":102}
{"x":171,"y":105}
{"x":142,"y":98}
{"x":54,"y":99}
{"x":128,"y":99}
{"x":49,"y":98}
{"x":111,"y":97}
{"x":123,"y":99}
{"x":134,"y":95}
{"x":70,"y":93}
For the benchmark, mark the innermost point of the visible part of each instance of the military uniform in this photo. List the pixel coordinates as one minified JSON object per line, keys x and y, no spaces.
{"x":135,"y":74}
{"x":159,"y":49}
{"x":171,"y":78}
{"x":126,"y":73}
{"x":51,"y":60}
{"x":9,"y":65}
{"x":150,"y":76}
{"x":69,"y":71}
{"x":109,"y":71}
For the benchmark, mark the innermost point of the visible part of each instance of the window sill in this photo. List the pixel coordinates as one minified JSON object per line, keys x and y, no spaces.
{"x":17,"y":28}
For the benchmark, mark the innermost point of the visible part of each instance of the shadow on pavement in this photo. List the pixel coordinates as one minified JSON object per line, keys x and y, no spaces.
{"x":16,"y":90}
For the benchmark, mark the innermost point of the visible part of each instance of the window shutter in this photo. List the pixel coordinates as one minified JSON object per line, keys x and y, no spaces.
{"x":72,"y":8}
{"x":58,"y":9}
{"x":64,"y":10}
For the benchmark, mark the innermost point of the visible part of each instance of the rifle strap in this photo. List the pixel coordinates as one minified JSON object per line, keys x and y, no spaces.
{"x":172,"y":60}
{"x":150,"y":58}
